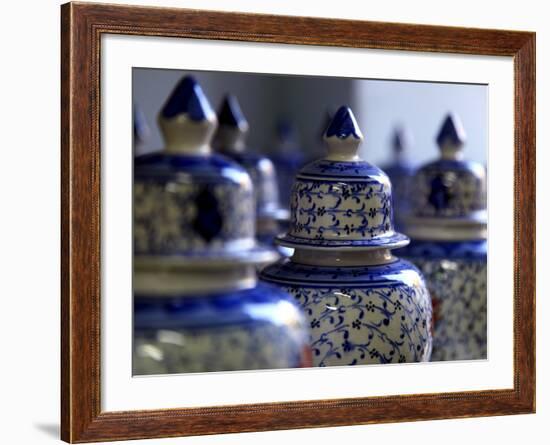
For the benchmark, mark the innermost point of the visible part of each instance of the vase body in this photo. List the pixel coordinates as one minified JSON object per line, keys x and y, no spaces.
{"x":456,"y":273}
{"x":230,"y":140}
{"x":256,"y":328}
{"x":401,"y":175}
{"x":266,"y":191}
{"x":360,"y":314}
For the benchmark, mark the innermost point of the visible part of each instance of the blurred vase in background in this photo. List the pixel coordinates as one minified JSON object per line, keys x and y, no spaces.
{"x":287,"y":156}
{"x":363,"y":304}
{"x":448,"y":227}
{"x":230,"y":140}
{"x":400,"y":171}
{"x":197,"y":304}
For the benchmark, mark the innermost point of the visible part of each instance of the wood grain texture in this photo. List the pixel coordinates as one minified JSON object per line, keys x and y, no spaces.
{"x":82,"y":26}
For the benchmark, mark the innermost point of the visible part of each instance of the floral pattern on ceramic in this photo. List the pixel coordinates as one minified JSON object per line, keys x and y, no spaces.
{"x":198,"y":306}
{"x":446,"y":189}
{"x":335,"y":210}
{"x":174,"y":216}
{"x":449,"y":246}
{"x":450,"y":187}
{"x":342,"y":200}
{"x":189,"y":202}
{"x":456,"y":273}
{"x":360,"y":315}
{"x":363,"y":305}
{"x":257,"y":328}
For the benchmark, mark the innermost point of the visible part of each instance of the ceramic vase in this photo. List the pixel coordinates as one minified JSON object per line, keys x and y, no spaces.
{"x":448,"y":228}
{"x":287,"y":156}
{"x":197,"y":304}
{"x":230,"y":140}
{"x":400,"y":171}
{"x":363,"y":304}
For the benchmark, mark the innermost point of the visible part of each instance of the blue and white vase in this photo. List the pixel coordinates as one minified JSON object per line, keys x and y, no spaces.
{"x":400,"y":171}
{"x":229,"y":140}
{"x":287,"y":156}
{"x":363,"y":304}
{"x":197,"y":304}
{"x":448,"y":227}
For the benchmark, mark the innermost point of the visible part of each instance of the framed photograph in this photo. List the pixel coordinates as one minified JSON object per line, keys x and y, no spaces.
{"x":274,"y":222}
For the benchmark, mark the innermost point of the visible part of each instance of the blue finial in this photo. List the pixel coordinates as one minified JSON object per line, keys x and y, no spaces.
{"x":451,"y":131}
{"x":187,"y":98}
{"x":230,"y":113}
{"x":401,"y":140}
{"x":343,"y":125}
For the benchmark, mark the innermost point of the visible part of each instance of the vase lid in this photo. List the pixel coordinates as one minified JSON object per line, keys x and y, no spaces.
{"x":401,"y":143}
{"x":342,"y":201}
{"x":230,"y":137}
{"x":187,"y":121}
{"x":193,"y":207}
{"x":230,"y":140}
{"x":449,"y":200}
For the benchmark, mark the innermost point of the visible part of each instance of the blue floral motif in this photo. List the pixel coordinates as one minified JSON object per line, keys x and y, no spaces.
{"x":174,"y":215}
{"x":447,"y":188}
{"x":360,"y":315}
{"x":325,"y":209}
{"x":456,"y":275}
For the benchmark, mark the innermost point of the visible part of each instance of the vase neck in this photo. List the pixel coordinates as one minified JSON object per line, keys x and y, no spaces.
{"x":343,"y":258}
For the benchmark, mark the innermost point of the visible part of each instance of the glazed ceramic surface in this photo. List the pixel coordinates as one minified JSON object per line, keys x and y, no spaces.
{"x":189,"y":202}
{"x":450,"y":187}
{"x":400,"y":171}
{"x":363,"y":305}
{"x":197,"y":304}
{"x":456,"y":273}
{"x":287,"y":157}
{"x":342,"y":200}
{"x":360,"y":314}
{"x":449,"y":246}
{"x":191,"y":205}
{"x":257,"y":328}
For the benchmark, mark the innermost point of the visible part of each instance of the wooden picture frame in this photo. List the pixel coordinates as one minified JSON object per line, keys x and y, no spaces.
{"x":82,"y":26}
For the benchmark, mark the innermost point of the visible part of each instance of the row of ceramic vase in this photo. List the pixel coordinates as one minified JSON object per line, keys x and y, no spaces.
{"x":212,"y":294}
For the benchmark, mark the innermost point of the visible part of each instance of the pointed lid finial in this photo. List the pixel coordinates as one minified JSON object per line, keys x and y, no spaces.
{"x":230,"y":114}
{"x":343,"y":136}
{"x":451,"y":137}
{"x":189,"y":99}
{"x":401,"y":140}
{"x":187,"y":120}
{"x":233,"y":126}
